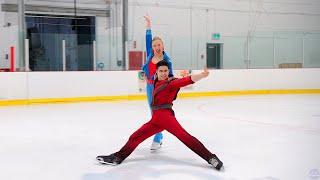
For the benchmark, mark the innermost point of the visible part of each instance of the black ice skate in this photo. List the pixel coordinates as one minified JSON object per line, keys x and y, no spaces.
{"x":215,"y":162}
{"x":111,"y":159}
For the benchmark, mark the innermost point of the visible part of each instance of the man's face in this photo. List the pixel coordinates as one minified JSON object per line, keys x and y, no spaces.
{"x":157,"y":47}
{"x":163,"y":72}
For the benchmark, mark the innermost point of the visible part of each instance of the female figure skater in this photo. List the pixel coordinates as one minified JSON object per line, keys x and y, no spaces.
{"x":155,"y":53}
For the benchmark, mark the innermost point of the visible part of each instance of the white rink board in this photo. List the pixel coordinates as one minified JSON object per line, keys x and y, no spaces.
{"x":33,"y":85}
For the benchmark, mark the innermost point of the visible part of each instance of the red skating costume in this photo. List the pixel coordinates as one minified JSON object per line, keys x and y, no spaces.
{"x":163,"y":118}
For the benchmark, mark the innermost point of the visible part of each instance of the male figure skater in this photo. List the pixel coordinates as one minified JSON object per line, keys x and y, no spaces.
{"x":163,"y":118}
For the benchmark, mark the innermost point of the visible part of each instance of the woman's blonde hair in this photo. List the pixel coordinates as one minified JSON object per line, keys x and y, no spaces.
{"x":157,"y":38}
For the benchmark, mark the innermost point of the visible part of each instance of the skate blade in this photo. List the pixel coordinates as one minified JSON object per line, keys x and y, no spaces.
{"x":222,"y":169}
{"x":107,"y":163}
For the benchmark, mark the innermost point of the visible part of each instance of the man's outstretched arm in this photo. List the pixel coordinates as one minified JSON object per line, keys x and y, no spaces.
{"x":189,"y":79}
{"x":197,"y":77}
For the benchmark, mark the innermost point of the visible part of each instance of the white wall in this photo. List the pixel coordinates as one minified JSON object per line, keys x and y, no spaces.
{"x":1,"y":15}
{"x":9,"y":37}
{"x":109,"y":45}
{"x":2,"y":59}
{"x":103,"y":41}
{"x":31,"y":85}
{"x":109,"y":39}
{"x":9,"y":40}
{"x":186,"y":26}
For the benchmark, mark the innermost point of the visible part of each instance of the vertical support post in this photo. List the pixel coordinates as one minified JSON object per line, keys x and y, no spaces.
{"x":63,"y":55}
{"x":124,"y":32}
{"x":303,"y":44}
{"x":248,"y":52}
{"x":26,"y":55}
{"x":274,"y":51}
{"x":94,"y":46}
{"x":22,"y":33}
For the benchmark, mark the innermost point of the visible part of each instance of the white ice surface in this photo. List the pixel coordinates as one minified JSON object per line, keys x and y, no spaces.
{"x":257,"y":137}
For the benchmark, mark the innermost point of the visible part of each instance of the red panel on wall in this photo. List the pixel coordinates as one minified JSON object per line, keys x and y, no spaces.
{"x":135,"y":59}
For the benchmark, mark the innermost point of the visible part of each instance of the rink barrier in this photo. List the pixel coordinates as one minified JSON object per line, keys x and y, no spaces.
{"x":143,"y":96}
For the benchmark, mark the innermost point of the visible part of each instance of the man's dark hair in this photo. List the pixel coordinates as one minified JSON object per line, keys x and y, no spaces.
{"x":162,"y":63}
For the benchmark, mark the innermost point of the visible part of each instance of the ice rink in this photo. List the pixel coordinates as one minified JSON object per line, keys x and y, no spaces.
{"x":257,"y":137}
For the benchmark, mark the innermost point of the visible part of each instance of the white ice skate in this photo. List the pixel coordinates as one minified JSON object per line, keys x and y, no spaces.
{"x":155,"y":146}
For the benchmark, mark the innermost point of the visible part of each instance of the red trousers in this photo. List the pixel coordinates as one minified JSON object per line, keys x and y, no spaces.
{"x":163,"y":119}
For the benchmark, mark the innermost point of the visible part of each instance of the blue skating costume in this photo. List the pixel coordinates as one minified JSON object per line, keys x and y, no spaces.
{"x":158,"y":137}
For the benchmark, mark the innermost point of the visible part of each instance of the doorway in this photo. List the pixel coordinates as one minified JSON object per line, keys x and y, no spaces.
{"x":214,"y":55}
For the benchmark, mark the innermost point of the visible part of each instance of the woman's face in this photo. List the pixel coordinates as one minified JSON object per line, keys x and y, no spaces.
{"x":157,"y":47}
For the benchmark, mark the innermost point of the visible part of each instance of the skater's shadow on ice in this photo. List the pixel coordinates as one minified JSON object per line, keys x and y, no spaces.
{"x":155,"y":165}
